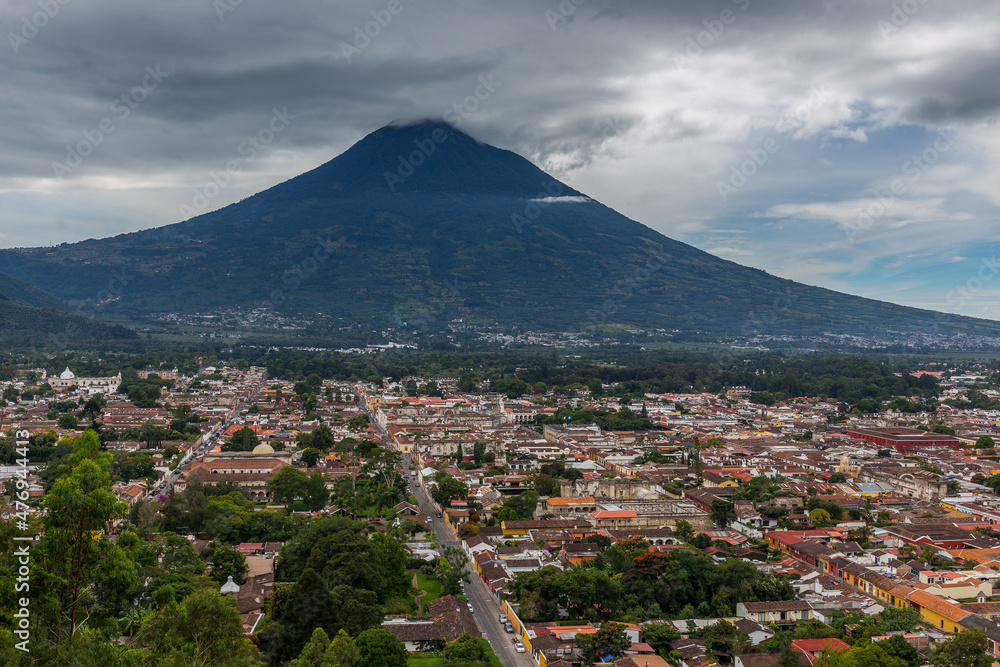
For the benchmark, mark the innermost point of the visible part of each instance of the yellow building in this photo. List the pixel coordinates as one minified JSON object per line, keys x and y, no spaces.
{"x":938,"y":612}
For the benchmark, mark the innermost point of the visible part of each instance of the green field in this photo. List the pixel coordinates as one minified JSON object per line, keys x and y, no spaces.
{"x":430,"y":661}
{"x":431,"y":585}
{"x":423,"y":662}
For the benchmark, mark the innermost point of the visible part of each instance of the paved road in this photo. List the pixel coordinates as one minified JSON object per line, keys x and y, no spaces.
{"x":483,"y":601}
{"x":164,"y":485}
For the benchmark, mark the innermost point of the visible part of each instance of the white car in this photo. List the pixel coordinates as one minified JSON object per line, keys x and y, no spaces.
{"x":519,"y":647}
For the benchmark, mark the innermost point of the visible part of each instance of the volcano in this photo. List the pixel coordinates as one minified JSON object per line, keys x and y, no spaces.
{"x":420,"y":225}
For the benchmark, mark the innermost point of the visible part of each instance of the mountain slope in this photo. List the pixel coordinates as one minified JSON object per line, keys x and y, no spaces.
{"x":424,"y":224}
{"x":25,"y":326}
{"x":24,"y":293}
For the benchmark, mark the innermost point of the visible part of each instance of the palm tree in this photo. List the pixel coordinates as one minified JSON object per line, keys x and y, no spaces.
{"x":862,"y":535}
{"x":131,"y":620}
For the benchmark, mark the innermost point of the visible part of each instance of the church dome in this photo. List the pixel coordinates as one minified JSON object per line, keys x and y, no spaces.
{"x":230,"y":587}
{"x":263,"y":448}
{"x":67,"y":374}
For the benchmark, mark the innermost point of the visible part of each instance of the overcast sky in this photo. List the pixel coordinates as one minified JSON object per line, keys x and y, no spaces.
{"x":848,"y":144}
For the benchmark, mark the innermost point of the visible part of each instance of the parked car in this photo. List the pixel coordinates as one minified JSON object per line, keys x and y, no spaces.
{"x":509,"y":628}
{"x":519,"y":647}
{"x":439,"y":515}
{"x":502,"y":618}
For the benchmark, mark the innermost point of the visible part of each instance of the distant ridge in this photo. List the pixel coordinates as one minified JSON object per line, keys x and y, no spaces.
{"x":24,"y":324}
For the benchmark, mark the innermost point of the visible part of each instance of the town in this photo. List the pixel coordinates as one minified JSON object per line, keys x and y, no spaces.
{"x":563,"y":525}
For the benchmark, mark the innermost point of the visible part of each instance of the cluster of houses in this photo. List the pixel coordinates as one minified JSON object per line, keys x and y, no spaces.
{"x":907,"y":520}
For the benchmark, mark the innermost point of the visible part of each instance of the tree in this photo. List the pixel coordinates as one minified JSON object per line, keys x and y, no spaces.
{"x":226,"y":562}
{"x":546,"y":485}
{"x":310,"y":455}
{"x":287,"y":484}
{"x":77,"y":564}
{"x":683,"y":530}
{"x":723,"y":638}
{"x":314,"y":653}
{"x":356,"y":609}
{"x":203,"y":631}
{"x":243,"y":440}
{"x":701,"y":541}
{"x":723,"y":512}
{"x":659,"y":636}
{"x":176,"y":554}
{"x":343,"y":652}
{"x":378,"y":648}
{"x":762,"y":398}
{"x":757,"y":489}
{"x":524,"y":504}
{"x":451,"y":570}
{"x":966,"y":649}
{"x":295,"y":614}
{"x":610,"y":639}
{"x":359,"y":423}
{"x":874,"y":655}
{"x":820,"y":517}
{"x":466,"y":650}
{"x":985,"y":442}
{"x":68,"y":421}
{"x":316,"y":494}
{"x":838,"y":478}
{"x":449,"y":489}
{"x":944,"y":429}
{"x":898,"y":647}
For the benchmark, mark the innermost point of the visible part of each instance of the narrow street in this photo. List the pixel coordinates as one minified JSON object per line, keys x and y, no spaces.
{"x":487,"y":609}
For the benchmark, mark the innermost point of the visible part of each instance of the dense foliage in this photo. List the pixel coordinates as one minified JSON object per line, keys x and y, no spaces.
{"x":342,"y":577}
{"x":626,"y":582}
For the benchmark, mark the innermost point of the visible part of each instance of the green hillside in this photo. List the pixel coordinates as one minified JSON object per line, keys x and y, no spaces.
{"x":24,"y":326}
